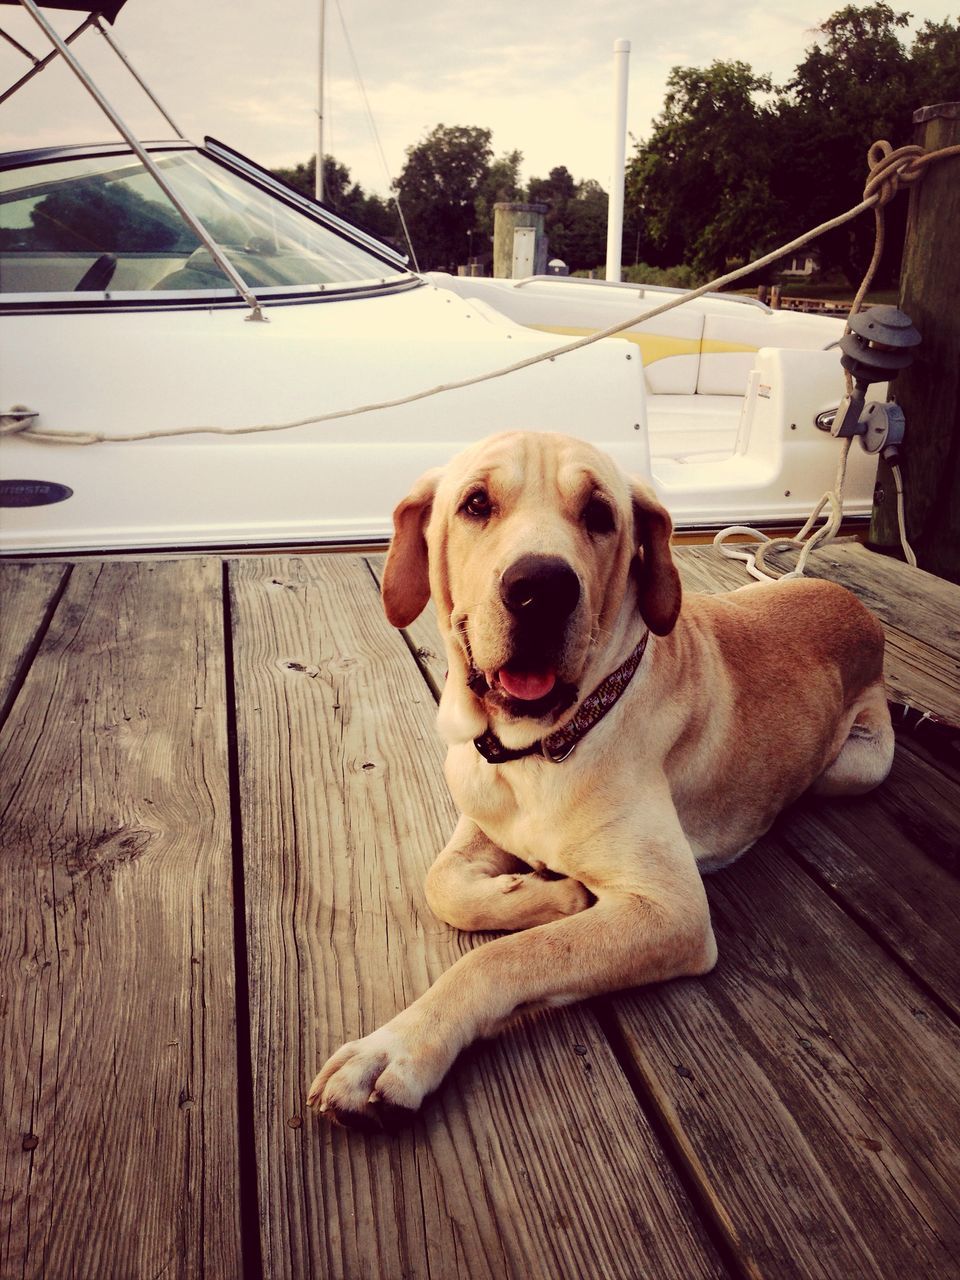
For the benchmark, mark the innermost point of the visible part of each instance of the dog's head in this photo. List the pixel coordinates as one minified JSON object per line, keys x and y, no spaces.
{"x":537,"y":551}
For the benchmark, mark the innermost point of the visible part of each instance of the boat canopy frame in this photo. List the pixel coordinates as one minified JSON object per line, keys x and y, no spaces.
{"x":60,"y":48}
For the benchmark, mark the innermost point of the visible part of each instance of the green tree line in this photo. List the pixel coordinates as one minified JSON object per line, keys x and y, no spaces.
{"x":733,"y":166}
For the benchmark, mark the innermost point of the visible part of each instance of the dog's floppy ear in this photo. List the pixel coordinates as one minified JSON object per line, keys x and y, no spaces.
{"x":658,"y":582}
{"x":405,"y":589}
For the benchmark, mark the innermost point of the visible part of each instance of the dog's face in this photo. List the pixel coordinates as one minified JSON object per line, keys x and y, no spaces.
{"x":528,"y":543}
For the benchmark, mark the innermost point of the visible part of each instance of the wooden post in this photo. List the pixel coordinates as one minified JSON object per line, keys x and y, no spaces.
{"x":929,"y":390}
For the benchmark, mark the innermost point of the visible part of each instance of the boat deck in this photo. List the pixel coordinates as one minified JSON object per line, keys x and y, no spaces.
{"x":221,"y":789}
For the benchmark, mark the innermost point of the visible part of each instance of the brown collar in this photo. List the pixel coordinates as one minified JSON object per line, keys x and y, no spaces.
{"x":558,"y":745}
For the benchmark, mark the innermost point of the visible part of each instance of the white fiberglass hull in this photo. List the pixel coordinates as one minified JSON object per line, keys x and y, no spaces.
{"x":716,"y":458}
{"x":332,"y":482}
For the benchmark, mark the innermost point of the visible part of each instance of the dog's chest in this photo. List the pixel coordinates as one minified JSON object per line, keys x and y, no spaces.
{"x":529,"y":809}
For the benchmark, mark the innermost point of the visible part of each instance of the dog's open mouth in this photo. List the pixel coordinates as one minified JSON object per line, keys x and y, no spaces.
{"x":529,"y":692}
{"x":522,"y":688}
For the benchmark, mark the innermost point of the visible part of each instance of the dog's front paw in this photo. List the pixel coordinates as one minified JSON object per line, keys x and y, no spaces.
{"x":567,"y":897}
{"x":376,"y":1083}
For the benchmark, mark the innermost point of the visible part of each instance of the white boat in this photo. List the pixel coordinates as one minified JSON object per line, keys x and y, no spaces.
{"x":156,"y":288}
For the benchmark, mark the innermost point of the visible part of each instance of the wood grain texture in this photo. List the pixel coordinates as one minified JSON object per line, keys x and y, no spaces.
{"x":810,"y":1086}
{"x":794,"y":1130}
{"x":535,"y":1159}
{"x":422,"y":637}
{"x":27,"y":593}
{"x":893,"y":858}
{"x":929,"y":390}
{"x":117,"y":1048}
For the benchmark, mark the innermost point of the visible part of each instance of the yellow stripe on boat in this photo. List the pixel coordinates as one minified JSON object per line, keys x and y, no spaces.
{"x":656,"y":346}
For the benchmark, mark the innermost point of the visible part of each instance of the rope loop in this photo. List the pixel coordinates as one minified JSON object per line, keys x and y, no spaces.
{"x":889,"y":168}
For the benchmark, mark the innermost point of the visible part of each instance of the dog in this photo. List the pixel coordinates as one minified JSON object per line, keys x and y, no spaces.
{"x":609,"y":741}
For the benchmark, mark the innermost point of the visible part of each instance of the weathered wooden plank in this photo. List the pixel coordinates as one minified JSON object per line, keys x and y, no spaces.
{"x":535,"y":1159}
{"x":423,"y":637}
{"x":705,"y":569}
{"x":117,"y":1047}
{"x":809,"y":1085}
{"x":912,"y":601}
{"x":893,"y":858}
{"x":938,"y":745}
{"x":27,"y":592}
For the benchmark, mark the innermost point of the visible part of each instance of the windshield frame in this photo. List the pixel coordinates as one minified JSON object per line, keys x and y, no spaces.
{"x":396,"y":275}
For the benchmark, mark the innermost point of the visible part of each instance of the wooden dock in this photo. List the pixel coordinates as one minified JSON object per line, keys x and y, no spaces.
{"x":220,"y":790}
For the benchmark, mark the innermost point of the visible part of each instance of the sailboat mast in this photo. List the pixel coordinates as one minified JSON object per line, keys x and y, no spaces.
{"x":318,"y":182}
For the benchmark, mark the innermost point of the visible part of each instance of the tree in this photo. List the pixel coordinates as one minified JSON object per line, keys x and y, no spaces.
{"x":849,"y":91}
{"x":734,"y":167}
{"x":576,"y":218}
{"x":97,"y":217}
{"x":700,"y":187}
{"x":502,"y":182}
{"x":438,"y":188}
{"x":347,"y":199}
{"x":935,"y":63}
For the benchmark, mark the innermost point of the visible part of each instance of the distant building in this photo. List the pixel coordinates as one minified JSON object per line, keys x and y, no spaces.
{"x":801,"y":266}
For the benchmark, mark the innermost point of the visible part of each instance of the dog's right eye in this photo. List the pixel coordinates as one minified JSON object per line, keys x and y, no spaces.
{"x":598,"y":516}
{"x":478,"y":505}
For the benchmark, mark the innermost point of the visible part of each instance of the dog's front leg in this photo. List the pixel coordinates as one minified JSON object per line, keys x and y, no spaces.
{"x":474,"y":884}
{"x":660,"y":930}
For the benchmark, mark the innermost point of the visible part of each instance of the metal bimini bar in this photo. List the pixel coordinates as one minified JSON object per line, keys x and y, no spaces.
{"x":60,"y":48}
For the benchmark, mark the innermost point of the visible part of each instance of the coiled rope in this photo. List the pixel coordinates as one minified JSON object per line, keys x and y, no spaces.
{"x":889,"y":170}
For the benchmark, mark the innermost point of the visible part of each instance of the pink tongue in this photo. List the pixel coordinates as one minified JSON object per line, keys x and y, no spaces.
{"x":528,"y":686}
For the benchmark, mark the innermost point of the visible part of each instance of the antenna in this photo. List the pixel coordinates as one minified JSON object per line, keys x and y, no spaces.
{"x":318,"y":180}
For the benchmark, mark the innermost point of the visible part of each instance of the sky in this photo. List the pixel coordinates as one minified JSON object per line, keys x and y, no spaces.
{"x":538,"y":73}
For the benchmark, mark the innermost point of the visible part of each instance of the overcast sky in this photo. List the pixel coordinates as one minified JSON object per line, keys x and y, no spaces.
{"x":536,"y":72}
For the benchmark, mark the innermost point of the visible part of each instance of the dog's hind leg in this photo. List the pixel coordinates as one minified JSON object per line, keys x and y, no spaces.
{"x":866,"y":755}
{"x":475,"y":885}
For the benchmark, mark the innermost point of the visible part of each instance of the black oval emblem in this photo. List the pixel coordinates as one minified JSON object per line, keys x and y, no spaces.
{"x":32,"y":493}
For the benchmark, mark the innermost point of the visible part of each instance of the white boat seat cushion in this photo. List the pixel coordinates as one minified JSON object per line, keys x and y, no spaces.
{"x":730,"y":344}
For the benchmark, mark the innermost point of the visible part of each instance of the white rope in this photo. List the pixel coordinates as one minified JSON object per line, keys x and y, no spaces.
{"x":10,"y":425}
{"x":808,"y":539}
{"x":901,"y":523}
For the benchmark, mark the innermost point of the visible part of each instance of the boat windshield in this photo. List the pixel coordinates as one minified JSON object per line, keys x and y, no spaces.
{"x":95,"y":223}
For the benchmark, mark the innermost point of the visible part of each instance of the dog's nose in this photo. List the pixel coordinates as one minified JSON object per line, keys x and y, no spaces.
{"x":540,"y":586}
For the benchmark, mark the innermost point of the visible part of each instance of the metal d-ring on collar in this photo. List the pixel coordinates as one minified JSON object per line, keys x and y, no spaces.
{"x":555,"y":747}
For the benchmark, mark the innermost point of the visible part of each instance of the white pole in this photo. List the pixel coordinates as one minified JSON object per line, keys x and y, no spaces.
{"x":621,"y":73}
{"x":318,"y":182}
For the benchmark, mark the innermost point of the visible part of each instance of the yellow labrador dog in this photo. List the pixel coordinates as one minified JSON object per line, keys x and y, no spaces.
{"x":606,"y":744}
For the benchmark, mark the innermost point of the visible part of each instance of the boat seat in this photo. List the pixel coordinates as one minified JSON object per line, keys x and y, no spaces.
{"x":724,"y":372}
{"x":685,"y":428}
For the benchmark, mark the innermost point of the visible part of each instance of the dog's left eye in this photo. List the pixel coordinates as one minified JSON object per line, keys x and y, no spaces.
{"x":478,"y":505}
{"x":598,"y":516}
